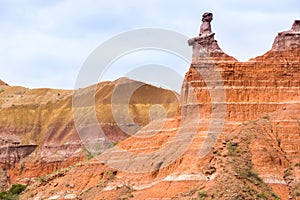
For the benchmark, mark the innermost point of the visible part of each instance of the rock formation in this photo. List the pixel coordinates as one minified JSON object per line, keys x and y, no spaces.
{"x":11,"y":154}
{"x":288,"y":40}
{"x":37,"y":130}
{"x":239,"y":119}
{"x":205,"y":44}
{"x":3,"y":83}
{"x":205,"y":28}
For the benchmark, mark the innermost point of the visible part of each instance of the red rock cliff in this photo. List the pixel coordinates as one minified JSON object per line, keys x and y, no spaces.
{"x":239,"y":119}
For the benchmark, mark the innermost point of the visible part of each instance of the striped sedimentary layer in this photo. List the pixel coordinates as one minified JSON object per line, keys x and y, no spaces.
{"x":250,"y":110}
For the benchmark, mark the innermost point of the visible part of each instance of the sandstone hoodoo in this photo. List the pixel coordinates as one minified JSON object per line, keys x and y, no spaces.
{"x":205,"y":44}
{"x":206,"y":37}
{"x":236,"y":135}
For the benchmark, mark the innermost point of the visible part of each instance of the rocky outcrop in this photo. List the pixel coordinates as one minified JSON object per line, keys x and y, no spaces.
{"x":37,"y":127}
{"x":12,"y":154}
{"x":3,"y":83}
{"x":288,"y":40}
{"x":254,"y":88}
{"x":264,"y":86}
{"x":3,"y":179}
{"x":236,"y":135}
{"x":205,"y":44}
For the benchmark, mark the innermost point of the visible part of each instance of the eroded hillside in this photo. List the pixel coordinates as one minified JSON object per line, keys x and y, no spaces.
{"x":38,"y":134}
{"x":236,"y":135}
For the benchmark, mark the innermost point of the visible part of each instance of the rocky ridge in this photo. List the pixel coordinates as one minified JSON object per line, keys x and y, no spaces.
{"x":3,"y":83}
{"x":255,"y":151}
{"x":38,"y":134}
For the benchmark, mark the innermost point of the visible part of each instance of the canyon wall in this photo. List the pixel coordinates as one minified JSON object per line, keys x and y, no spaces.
{"x":235,"y":135}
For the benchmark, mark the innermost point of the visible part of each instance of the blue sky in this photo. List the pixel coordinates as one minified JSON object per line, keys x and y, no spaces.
{"x":44,"y":43}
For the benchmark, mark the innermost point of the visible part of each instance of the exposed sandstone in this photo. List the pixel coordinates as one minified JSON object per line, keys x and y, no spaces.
{"x":255,"y":152}
{"x":205,"y":28}
{"x":12,"y":154}
{"x":205,"y":44}
{"x":38,"y":132}
{"x":288,"y":40}
{"x":254,"y":90}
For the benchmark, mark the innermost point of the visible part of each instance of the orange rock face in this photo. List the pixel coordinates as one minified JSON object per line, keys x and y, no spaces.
{"x":38,"y":134}
{"x":236,"y":136}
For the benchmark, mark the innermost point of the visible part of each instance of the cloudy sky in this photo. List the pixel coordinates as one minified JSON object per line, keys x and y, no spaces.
{"x":45,"y":43}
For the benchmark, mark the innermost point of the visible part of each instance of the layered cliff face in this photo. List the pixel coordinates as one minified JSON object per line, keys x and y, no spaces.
{"x":288,"y":40}
{"x":236,"y":135}
{"x":265,"y":86}
{"x":38,"y":134}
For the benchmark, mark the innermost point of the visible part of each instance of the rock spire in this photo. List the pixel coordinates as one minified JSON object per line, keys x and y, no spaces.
{"x":205,"y":45}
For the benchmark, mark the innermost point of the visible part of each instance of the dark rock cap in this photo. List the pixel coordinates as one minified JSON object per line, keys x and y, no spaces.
{"x":207,"y":17}
{"x":296,"y":26}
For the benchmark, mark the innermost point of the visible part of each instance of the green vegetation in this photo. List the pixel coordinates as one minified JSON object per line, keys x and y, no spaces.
{"x":266,"y":117}
{"x":13,"y":192}
{"x":42,"y":179}
{"x":288,"y":171}
{"x":231,"y":148}
{"x":88,"y":154}
{"x":202,"y":195}
{"x":189,"y":193}
{"x":56,"y":173}
{"x":296,"y":191}
{"x":276,"y":197}
{"x":262,"y":196}
{"x":110,"y":174}
{"x":244,"y":182}
{"x":1,"y":90}
{"x":252,"y":177}
{"x":112,"y":144}
{"x":22,"y":167}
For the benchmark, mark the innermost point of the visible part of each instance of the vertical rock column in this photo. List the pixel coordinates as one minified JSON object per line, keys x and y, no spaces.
{"x":203,"y":94}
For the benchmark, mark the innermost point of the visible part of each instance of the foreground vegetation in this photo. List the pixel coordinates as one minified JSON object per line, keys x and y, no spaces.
{"x":13,"y":192}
